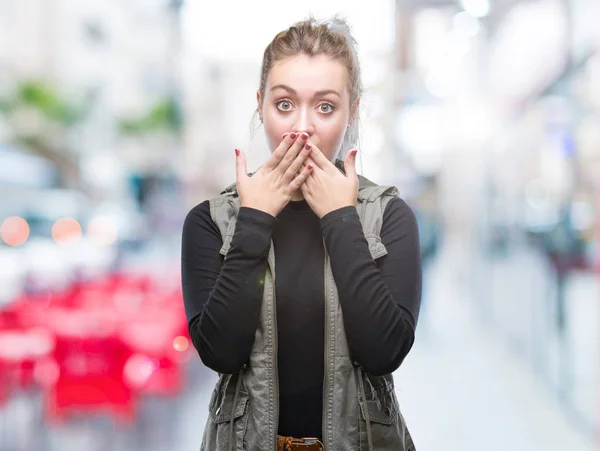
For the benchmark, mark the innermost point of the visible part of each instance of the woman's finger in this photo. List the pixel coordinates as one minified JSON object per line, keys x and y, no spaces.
{"x":288,"y":140}
{"x":310,"y":161}
{"x":240,"y":165}
{"x":350,"y":163}
{"x":297,"y":165}
{"x":301,"y":178}
{"x":319,"y":159}
{"x":291,"y":155}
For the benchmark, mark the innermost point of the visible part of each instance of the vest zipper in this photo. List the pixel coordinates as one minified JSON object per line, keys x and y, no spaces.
{"x":271,"y":260}
{"x":327,"y":337}
{"x":276,"y":368}
{"x":238,"y":384}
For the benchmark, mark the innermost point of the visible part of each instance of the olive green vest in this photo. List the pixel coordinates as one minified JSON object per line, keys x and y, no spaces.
{"x":360,"y":411}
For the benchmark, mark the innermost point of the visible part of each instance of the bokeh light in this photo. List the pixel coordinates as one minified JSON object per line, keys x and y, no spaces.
{"x":14,"y":231}
{"x":66,"y":230}
{"x":102,"y":231}
{"x":181,"y":343}
{"x":138,"y":369}
{"x":46,"y":372}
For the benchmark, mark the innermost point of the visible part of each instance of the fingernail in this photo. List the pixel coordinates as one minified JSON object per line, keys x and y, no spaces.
{"x":293,"y":135}
{"x":309,"y":166}
{"x":354,"y":152}
{"x":308,"y":146}
{"x":237,"y":152}
{"x":304,"y":136}
{"x":284,"y":135}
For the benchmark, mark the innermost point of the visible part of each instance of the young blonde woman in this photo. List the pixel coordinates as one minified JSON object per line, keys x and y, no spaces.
{"x":302,"y":280}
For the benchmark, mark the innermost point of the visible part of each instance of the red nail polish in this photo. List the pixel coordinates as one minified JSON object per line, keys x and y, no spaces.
{"x":308,"y":146}
{"x":304,"y":136}
{"x":293,"y":135}
{"x":284,"y":135}
{"x":237,"y":153}
{"x":309,"y":167}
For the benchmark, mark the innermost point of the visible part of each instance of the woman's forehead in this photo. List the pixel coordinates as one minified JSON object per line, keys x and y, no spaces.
{"x":307,"y":75}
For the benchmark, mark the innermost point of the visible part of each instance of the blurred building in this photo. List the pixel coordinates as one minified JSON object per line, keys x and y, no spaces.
{"x":497,"y":102}
{"x":220,"y":97}
{"x":117,"y":58}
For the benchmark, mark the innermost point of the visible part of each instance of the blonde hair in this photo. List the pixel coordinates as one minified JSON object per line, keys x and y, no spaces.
{"x":310,"y":37}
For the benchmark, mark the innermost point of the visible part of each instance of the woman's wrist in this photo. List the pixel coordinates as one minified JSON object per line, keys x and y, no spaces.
{"x":257,"y":215}
{"x":348,"y":213}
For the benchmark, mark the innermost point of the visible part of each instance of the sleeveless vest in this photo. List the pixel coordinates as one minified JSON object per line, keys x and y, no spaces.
{"x":360,"y":411}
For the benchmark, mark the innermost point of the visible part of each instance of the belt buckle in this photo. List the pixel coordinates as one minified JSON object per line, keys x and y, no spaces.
{"x":310,"y":443}
{"x":304,"y":443}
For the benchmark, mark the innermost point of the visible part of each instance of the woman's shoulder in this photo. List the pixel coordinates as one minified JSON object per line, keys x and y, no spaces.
{"x":398,"y":210}
{"x":398,"y":203}
{"x":215,"y":211}
{"x":204,"y":207}
{"x":199,"y":226}
{"x":199,"y":213}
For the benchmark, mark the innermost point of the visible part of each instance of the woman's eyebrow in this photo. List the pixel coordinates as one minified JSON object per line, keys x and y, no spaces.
{"x":317,"y":94}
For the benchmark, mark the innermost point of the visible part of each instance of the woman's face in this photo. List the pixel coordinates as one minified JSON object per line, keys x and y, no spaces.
{"x":307,"y":94}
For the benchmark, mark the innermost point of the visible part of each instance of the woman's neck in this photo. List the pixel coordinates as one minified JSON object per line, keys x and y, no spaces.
{"x":297,"y":196}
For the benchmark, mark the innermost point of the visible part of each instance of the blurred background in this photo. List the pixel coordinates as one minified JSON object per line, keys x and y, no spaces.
{"x":117,"y":117}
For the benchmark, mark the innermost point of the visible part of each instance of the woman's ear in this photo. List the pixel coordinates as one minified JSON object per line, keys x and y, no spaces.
{"x":259,"y":105}
{"x":354,"y":111}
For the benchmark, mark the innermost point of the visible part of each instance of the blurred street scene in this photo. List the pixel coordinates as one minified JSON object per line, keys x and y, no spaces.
{"x":117,"y":117}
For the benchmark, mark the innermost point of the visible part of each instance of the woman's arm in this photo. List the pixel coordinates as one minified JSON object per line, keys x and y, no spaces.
{"x":223,"y":298}
{"x":380,"y":300}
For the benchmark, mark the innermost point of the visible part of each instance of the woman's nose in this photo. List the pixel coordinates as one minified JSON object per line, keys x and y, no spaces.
{"x":304,"y":124}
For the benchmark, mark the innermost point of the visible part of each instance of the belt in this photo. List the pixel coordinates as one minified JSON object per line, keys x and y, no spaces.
{"x":298,"y":444}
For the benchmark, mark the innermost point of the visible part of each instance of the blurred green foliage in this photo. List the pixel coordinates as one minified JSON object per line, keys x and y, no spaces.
{"x":163,"y":116}
{"x":45,"y":99}
{"x":47,"y":139}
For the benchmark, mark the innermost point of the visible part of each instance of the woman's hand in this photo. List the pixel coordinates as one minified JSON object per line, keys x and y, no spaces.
{"x":271,"y":187}
{"x":327,"y":189}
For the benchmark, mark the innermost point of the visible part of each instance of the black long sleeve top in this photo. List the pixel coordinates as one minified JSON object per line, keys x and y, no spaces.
{"x":380,"y":299}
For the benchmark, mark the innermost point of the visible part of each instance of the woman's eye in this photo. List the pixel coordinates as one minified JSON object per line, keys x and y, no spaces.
{"x":329,"y":108}
{"x":286,"y":105}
